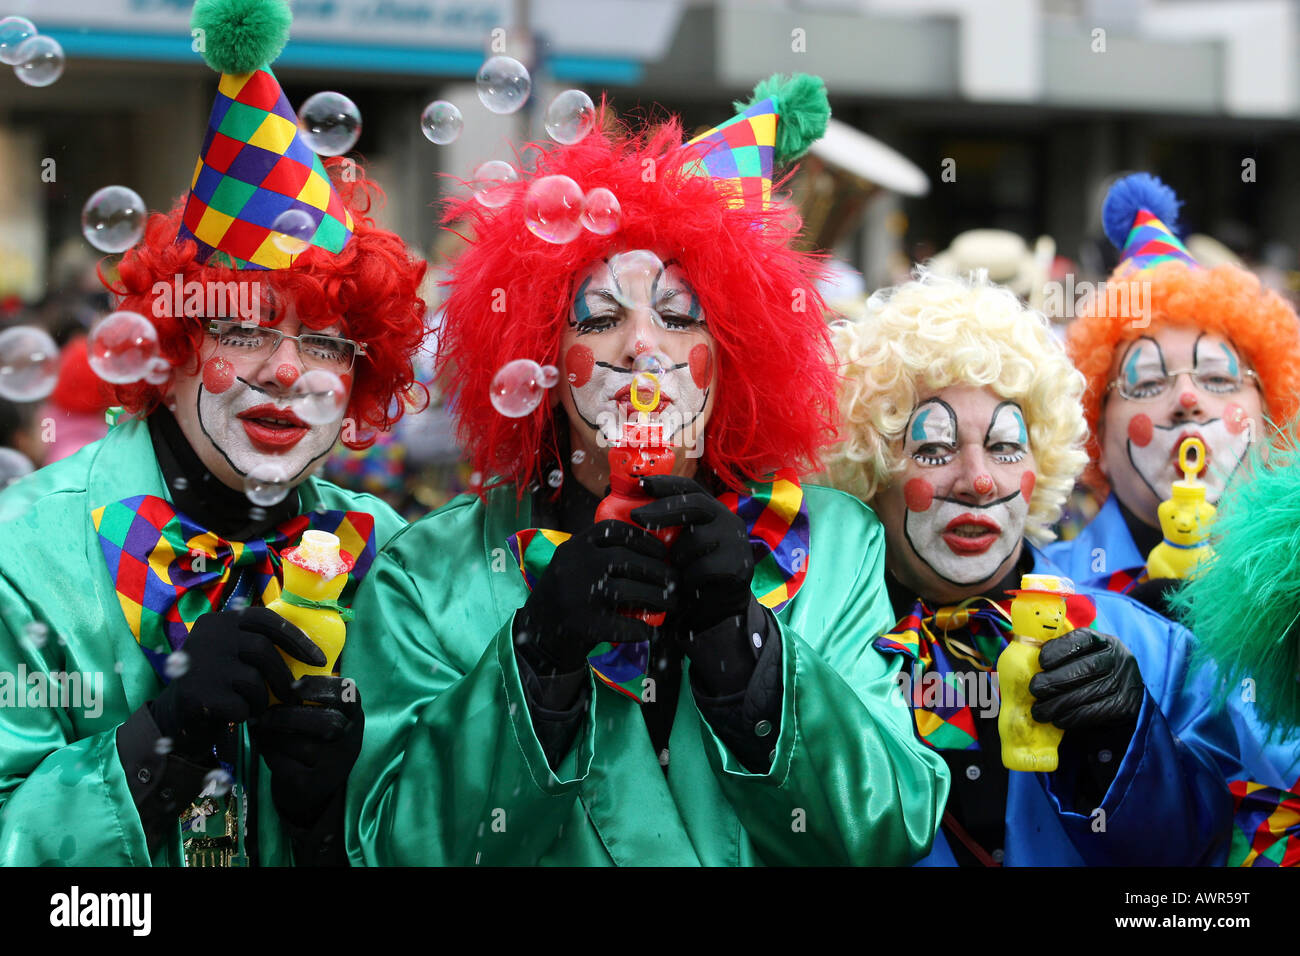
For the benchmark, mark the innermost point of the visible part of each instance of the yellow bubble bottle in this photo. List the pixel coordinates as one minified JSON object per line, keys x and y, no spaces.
{"x":1185,"y":519}
{"x":315,"y":573}
{"x":1037,"y":616}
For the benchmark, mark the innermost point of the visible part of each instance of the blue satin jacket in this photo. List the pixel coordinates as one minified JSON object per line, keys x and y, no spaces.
{"x":1168,"y":804}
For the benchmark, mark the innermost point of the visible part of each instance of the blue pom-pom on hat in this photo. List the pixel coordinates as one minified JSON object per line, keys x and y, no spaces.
{"x":1139,"y":215}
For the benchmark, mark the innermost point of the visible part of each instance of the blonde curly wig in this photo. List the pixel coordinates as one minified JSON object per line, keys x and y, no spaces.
{"x":935,"y":331}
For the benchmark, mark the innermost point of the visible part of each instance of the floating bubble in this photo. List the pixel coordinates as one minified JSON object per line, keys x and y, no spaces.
{"x":601,"y":212}
{"x":555,"y":478}
{"x":29,"y":364}
{"x":489,"y":183}
{"x":267,"y":484}
{"x":13,"y":31}
{"x":517,"y":388}
{"x":578,"y":457}
{"x":122,"y":347}
{"x":217,"y":783}
{"x":180,"y":483}
{"x":118,"y":667}
{"x":550,"y":376}
{"x":293,"y":230}
{"x":503,"y":84}
{"x":162,"y":746}
{"x":35,"y":633}
{"x":176,"y":665}
{"x":319,"y":397}
{"x":570,"y":117}
{"x":158,"y":372}
{"x":39,"y":60}
{"x":651,"y":363}
{"x":330,"y":123}
{"x":553,"y":209}
{"x":441,"y":122}
{"x":13,"y":465}
{"x":113,"y":219}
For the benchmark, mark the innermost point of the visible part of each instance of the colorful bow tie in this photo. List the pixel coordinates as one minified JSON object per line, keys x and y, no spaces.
{"x":168,"y":570}
{"x":777,"y":518}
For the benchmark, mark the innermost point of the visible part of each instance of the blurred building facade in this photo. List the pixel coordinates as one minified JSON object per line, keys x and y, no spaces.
{"x":1018,"y":111}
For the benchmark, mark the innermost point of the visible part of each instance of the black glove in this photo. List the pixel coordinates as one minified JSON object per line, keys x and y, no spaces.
{"x":233,"y":659}
{"x":712,"y":552}
{"x":575,"y":603}
{"x":1089,"y":680}
{"x":311,"y":749}
{"x":1157,"y":594}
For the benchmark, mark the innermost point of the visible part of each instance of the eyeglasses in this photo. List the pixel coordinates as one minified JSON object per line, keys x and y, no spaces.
{"x":1152,"y":386}
{"x":315,"y":351}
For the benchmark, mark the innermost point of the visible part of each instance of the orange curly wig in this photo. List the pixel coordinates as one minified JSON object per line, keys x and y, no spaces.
{"x":1226,"y":301}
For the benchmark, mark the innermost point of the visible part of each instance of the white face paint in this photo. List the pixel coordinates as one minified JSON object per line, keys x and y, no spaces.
{"x":236,"y":411}
{"x":1157,"y":429}
{"x":955,"y":518}
{"x":627,"y":307}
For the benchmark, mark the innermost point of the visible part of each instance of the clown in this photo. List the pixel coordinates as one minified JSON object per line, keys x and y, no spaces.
{"x":1170,"y":351}
{"x":141,"y":559}
{"x":963,"y":431}
{"x":491,"y":621}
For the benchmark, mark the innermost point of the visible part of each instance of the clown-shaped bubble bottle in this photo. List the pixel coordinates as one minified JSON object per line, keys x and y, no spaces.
{"x":642,"y":450}
{"x":1185,"y":519}
{"x":1038,"y":615}
{"x":315,"y":573}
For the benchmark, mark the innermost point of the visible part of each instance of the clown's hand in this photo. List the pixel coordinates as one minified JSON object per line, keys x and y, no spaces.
{"x":712,"y":553}
{"x":575,"y":605}
{"x":1089,"y":680}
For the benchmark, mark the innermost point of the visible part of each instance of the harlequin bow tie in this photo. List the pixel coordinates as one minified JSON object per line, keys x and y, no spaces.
{"x":168,"y":570}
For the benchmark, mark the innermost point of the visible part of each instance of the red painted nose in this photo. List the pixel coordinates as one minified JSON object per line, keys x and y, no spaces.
{"x":1187,"y":399}
{"x":286,"y":375}
{"x":983,"y":484}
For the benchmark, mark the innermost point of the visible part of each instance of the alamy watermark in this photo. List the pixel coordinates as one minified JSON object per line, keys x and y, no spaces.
{"x":211,"y":300}
{"x":63,"y":690}
{"x":1123,"y":298}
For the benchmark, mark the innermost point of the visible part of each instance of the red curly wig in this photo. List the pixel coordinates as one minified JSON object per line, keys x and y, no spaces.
{"x":775,"y":404}
{"x":1227,"y":301}
{"x":373,"y":284}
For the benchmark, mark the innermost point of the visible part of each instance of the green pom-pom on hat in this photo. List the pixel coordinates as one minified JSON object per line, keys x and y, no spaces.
{"x":240,"y":36}
{"x":803,"y":108}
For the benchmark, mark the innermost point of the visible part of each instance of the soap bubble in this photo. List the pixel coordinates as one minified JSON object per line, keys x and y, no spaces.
{"x":293,"y":230}
{"x":267,"y":484}
{"x":113,"y":219}
{"x":162,"y":746}
{"x":39,"y":60}
{"x":503,"y":84}
{"x":122,"y":347}
{"x":578,"y":457}
{"x":29,"y":363}
{"x":217,"y":783}
{"x":330,"y":123}
{"x":570,"y":117}
{"x":489,"y":183}
{"x":158,"y":372}
{"x":651,"y":363}
{"x":13,"y":31}
{"x":180,"y":483}
{"x":555,"y":478}
{"x":550,"y":376}
{"x":517,"y":388}
{"x":319,"y":397}
{"x":553,"y":209}
{"x":176,"y":665}
{"x":601,"y":212}
{"x":13,"y":465}
{"x":35,"y":633}
{"x":441,"y":122}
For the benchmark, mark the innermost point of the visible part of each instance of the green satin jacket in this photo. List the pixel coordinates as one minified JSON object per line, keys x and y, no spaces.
{"x":451,"y":771}
{"x":63,"y":792}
